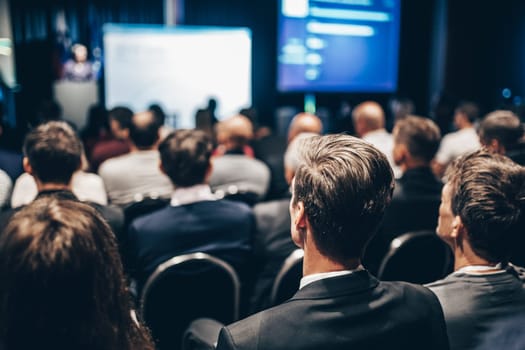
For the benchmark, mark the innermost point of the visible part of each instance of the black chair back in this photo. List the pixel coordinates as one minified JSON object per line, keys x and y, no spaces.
{"x":417,"y":257}
{"x":288,"y":279}
{"x":185,"y":288}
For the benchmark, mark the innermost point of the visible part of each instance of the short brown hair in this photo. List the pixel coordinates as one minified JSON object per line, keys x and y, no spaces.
{"x":503,"y":126}
{"x":185,"y":156}
{"x":345,"y":184}
{"x":420,"y":135}
{"x":54,"y":152}
{"x":488,"y":194}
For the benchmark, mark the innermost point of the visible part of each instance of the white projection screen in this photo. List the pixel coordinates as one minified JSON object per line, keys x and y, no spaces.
{"x":180,"y":68}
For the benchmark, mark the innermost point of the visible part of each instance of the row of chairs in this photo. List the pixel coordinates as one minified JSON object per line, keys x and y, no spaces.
{"x":206,"y":286}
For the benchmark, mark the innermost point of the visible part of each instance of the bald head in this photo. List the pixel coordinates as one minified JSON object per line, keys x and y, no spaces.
{"x":144,"y":130}
{"x":236,"y":132}
{"x":304,"y":122}
{"x":368,"y":116}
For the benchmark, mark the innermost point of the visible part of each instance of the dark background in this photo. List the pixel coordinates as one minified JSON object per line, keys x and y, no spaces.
{"x":449,"y":50}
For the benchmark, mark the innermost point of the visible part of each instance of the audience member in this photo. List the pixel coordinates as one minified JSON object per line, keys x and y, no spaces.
{"x":462,"y":141}
{"x":96,"y":129}
{"x":270,"y":149}
{"x":53,"y":153}
{"x":87,"y":187}
{"x":304,"y":122}
{"x":62,"y":282}
{"x":369,"y":124}
{"x":272,"y":242}
{"x":481,"y":217}
{"x":502,"y":132}
{"x":160,"y":116}
{"x":247,"y":176}
{"x":194,"y":221}
{"x":134,"y":176}
{"x":340,"y":191}
{"x":118,"y":144}
{"x":416,"y":197}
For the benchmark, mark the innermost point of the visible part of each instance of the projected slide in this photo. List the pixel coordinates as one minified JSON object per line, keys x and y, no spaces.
{"x":338,"y":45}
{"x":180,"y":68}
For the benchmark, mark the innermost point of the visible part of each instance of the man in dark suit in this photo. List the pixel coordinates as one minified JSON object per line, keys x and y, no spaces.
{"x":481,"y":218}
{"x":417,"y":194}
{"x":340,"y":192}
{"x":194,"y":221}
{"x":52,"y":153}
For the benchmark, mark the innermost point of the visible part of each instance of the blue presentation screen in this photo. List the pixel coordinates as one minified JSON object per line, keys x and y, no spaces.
{"x":338,"y":45}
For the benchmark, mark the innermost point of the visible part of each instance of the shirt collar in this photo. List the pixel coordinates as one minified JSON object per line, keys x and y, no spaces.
{"x":306,"y":280}
{"x":188,"y":195}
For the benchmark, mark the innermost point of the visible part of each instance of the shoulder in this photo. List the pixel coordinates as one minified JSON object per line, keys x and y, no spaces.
{"x":231,"y":206}
{"x":154,"y":219}
{"x":112,"y":164}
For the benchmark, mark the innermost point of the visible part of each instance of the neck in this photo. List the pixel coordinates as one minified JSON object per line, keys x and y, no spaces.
{"x":315,"y":262}
{"x":371,"y":130}
{"x":464,"y":256}
{"x":134,"y":149}
{"x":413,"y":163}
{"x":41,"y":187}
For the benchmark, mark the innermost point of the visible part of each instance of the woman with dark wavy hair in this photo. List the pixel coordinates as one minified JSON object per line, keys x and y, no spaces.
{"x":61,"y":282}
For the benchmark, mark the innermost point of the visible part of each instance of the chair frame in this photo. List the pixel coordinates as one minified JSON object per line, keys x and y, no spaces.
{"x":290,"y":262}
{"x":402,"y":240}
{"x":181,"y":259}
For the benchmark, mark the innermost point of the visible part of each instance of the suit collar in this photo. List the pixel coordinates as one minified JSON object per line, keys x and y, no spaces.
{"x":353,"y":283}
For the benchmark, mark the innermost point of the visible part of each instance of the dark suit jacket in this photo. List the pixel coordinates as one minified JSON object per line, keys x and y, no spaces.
{"x":272,"y":245}
{"x":414,"y":207}
{"x":222,"y":228}
{"x":355,"y":312}
{"x":113,"y":215}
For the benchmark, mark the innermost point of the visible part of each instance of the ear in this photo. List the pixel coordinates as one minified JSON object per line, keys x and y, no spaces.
{"x":299,"y":224}
{"x":496,"y":146}
{"x":458,"y":229}
{"x":27,"y":167}
{"x":399,"y":153}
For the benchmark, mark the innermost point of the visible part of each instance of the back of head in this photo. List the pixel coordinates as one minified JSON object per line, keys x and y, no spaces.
{"x":144,"y":130}
{"x":368,"y":116}
{"x":185,"y":157}
{"x":304,"y":122}
{"x":122,"y":115}
{"x":237,"y":132}
{"x":502,"y":126}
{"x":345,"y":184}
{"x":420,"y":135}
{"x":159,"y":113}
{"x":469,"y":109}
{"x":54,"y":152}
{"x":62,"y":281}
{"x":488,"y":194}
